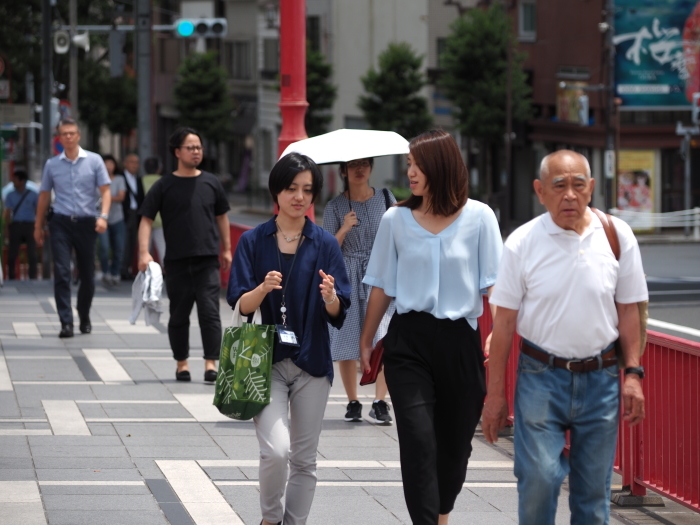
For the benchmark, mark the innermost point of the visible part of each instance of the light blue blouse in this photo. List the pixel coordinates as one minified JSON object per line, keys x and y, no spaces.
{"x":441,"y":274}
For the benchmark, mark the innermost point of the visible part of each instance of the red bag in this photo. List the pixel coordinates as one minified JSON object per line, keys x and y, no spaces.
{"x":375,"y":363}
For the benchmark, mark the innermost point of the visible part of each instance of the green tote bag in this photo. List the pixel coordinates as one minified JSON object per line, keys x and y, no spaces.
{"x":245,"y":367}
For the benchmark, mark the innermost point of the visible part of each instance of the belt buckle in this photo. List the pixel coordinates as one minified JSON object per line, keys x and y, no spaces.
{"x":568,"y":363}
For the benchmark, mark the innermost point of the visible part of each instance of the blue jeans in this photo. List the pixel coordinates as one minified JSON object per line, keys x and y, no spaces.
{"x":112,"y":238}
{"x":548,"y":402}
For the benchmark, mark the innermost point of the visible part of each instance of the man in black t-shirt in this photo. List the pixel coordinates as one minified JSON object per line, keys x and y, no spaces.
{"x":193,"y":207}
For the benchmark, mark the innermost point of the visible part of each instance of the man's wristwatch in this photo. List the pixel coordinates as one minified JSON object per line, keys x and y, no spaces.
{"x":104,"y":216}
{"x":639,"y":370}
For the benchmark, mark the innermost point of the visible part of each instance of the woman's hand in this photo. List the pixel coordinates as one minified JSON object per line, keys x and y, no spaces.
{"x":273,"y":281}
{"x":327,"y":287}
{"x":349,"y":220}
{"x":487,"y":349}
{"x":365,"y":356}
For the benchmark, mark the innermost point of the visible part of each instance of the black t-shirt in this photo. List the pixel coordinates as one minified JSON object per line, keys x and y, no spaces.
{"x":189,"y":207}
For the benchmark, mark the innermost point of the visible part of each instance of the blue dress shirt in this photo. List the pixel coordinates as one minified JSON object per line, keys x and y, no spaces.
{"x":27,"y":209}
{"x":74,"y":183}
{"x":256,"y":255}
{"x":441,"y":274}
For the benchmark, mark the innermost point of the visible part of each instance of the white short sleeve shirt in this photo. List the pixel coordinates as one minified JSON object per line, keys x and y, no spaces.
{"x":564,"y":285}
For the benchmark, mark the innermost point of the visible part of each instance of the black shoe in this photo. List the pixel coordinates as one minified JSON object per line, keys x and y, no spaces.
{"x":354,"y":412}
{"x":66,"y":331}
{"x":210,"y":376}
{"x":183,"y":376}
{"x":380,"y":413}
{"x":85,"y":326}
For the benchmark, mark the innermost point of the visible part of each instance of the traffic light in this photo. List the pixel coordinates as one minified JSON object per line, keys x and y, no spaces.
{"x":200,"y":27}
{"x":696,"y":108}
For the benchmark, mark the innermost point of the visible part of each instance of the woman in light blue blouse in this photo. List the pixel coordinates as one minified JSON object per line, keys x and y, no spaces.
{"x":434,"y":254}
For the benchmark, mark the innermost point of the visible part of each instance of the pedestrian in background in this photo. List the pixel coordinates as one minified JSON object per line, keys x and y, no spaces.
{"x":112,"y":240}
{"x":74,"y":175}
{"x":353,"y":218}
{"x":20,"y":215}
{"x":193,"y":206}
{"x":154,"y":168}
{"x":131,"y":205}
{"x":562,"y":288}
{"x":267,"y":275}
{"x":435,"y":253}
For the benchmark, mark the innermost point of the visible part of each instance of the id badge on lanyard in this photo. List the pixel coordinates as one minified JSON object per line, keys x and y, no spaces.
{"x":285,"y":335}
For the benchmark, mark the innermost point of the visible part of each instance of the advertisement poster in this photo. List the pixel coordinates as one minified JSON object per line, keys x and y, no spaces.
{"x":657,"y":44}
{"x":568,"y":105}
{"x":635,"y":177}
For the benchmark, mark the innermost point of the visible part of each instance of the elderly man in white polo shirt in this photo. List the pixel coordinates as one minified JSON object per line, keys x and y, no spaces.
{"x":560,"y":285}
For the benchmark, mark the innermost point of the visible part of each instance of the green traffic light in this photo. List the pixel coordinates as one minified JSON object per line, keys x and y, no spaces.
{"x":185,"y":28}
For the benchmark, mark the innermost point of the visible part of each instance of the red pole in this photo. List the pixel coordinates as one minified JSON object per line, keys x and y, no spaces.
{"x":293,"y":102}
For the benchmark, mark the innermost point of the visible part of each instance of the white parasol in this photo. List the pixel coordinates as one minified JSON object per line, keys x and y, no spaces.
{"x":344,"y":145}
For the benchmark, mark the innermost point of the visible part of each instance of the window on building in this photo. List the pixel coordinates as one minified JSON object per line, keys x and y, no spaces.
{"x":240,"y":60}
{"x":527,"y":21}
{"x":266,"y":153}
{"x":271,"y":58}
{"x":313,"y":32}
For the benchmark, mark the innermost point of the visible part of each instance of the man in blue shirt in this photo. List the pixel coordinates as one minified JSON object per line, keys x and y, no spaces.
{"x":20,"y":208}
{"x":74,"y":176}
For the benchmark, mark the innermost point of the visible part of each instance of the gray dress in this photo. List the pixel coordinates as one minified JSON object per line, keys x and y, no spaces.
{"x":356,"y":248}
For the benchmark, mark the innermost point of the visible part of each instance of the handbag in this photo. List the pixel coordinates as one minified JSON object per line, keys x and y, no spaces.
{"x":643,"y":306}
{"x":245,"y":367}
{"x":376,"y":362}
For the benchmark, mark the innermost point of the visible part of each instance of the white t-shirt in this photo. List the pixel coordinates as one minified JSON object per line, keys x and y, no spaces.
{"x":565,"y":285}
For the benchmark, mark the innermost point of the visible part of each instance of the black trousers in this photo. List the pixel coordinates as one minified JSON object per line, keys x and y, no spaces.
{"x":80,"y":235}
{"x":435,"y":373}
{"x":189,"y":281}
{"x":21,"y":233}
{"x":131,"y":242}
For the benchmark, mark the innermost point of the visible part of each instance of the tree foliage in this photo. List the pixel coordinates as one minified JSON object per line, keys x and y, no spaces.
{"x":475,"y":68}
{"x":320,"y":93}
{"x":202,"y":98}
{"x":392,"y":101}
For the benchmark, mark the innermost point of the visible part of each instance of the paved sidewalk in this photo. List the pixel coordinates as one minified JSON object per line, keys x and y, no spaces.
{"x":95,"y":430}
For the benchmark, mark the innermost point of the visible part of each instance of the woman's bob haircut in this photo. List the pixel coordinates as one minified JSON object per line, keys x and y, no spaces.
{"x":283,"y":173}
{"x":437,"y":155}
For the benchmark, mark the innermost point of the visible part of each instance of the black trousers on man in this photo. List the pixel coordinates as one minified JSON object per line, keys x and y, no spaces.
{"x":435,"y":373}
{"x":21,"y":233}
{"x":77,"y":233}
{"x":189,"y":281}
{"x":132,"y":220}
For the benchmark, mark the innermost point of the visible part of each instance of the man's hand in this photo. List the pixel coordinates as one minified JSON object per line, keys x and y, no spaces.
{"x":100,"y":225}
{"x":365,"y":355}
{"x":226,"y":260}
{"x":144,"y":259}
{"x":487,"y":349}
{"x":494,"y":417}
{"x":39,"y":235}
{"x":633,"y":400}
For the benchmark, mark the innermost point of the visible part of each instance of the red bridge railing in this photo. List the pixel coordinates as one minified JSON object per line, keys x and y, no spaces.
{"x":663,"y":452}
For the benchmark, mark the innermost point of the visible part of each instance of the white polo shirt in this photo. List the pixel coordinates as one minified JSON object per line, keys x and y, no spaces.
{"x":564,"y":285}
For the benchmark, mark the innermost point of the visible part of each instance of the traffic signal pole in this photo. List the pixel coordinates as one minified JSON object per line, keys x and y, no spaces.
{"x":293,"y":102}
{"x":143,"y":76}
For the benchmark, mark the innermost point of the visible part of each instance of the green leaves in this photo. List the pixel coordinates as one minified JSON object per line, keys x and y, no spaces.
{"x":392,"y":102}
{"x":320,"y":93}
{"x":475,"y":63}
{"x":202,"y":98}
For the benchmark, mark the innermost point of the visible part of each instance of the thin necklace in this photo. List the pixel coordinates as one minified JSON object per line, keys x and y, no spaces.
{"x":286,"y":237}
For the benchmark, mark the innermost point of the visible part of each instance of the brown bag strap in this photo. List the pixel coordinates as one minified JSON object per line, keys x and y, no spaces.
{"x":610,"y":231}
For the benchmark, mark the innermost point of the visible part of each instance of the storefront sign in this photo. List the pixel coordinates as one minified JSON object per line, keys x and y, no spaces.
{"x":635,"y":177}
{"x":657,"y":61}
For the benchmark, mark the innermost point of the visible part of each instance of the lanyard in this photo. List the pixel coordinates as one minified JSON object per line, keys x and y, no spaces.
{"x":283,"y":307}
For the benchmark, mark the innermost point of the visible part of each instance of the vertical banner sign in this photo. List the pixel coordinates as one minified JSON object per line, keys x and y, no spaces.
{"x":657,"y":53}
{"x":635,"y":177}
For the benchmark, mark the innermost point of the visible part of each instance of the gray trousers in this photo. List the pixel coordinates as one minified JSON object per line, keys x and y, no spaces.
{"x":288,"y":431}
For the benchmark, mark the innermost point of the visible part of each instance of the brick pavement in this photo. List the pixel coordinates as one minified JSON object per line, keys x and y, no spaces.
{"x":95,"y":429}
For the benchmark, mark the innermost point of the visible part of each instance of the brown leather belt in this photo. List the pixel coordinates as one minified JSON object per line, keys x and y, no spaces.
{"x":572,"y":365}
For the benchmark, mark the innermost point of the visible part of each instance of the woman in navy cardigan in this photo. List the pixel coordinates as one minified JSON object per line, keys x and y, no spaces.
{"x":294,"y":272}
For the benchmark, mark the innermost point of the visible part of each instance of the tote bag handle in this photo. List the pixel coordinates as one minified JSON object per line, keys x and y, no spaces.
{"x":237,"y":319}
